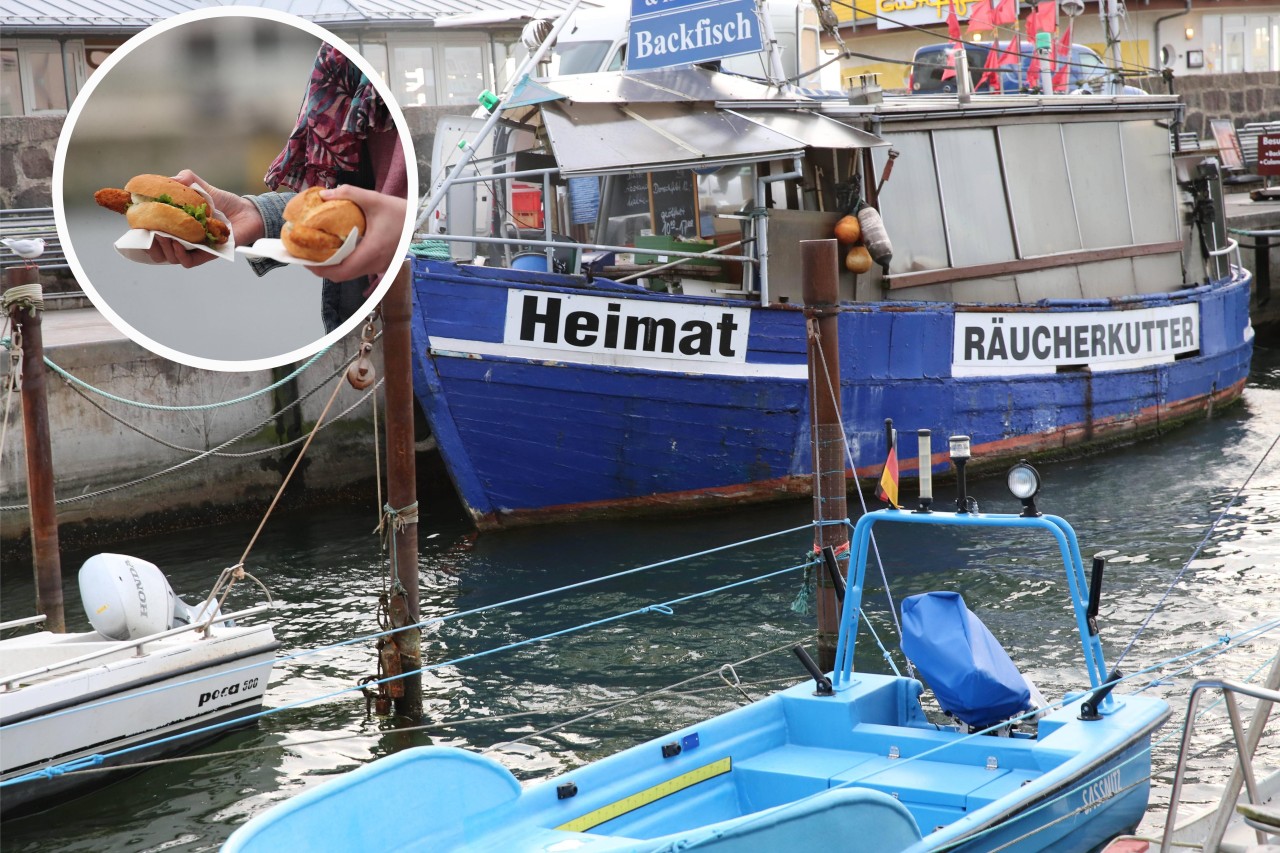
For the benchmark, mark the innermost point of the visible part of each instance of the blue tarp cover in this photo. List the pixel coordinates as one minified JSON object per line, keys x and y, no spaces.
{"x":968,"y":669}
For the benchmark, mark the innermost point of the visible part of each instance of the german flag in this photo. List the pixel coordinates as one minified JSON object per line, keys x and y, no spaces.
{"x":887,"y":491}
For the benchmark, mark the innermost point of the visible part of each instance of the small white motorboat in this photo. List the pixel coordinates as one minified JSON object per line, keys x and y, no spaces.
{"x":154,"y":676}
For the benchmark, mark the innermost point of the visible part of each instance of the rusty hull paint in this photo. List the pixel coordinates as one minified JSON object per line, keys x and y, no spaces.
{"x":1075,"y":439}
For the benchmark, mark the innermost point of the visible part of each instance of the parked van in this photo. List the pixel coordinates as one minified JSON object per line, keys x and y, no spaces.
{"x":931,"y":61}
{"x":596,"y":40}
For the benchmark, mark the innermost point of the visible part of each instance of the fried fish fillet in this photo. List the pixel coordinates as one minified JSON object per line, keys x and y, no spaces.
{"x":114,"y":199}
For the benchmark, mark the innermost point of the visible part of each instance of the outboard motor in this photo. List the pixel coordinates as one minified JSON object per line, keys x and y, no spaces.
{"x":127,"y":598}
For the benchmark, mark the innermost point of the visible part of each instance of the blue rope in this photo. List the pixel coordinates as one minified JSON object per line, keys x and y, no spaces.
{"x":196,"y":408}
{"x":433,"y":621}
{"x":1204,"y":541}
{"x":884,"y":652}
{"x":664,"y":608}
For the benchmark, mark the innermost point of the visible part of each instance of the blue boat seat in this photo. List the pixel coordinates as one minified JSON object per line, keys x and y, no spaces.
{"x":970,"y":672}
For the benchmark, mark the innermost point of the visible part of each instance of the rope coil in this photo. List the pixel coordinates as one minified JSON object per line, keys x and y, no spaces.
{"x":28,"y":296}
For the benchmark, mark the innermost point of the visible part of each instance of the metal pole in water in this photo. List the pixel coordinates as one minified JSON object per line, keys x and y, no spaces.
{"x":25,"y":316}
{"x":819,"y":272}
{"x":402,"y":486}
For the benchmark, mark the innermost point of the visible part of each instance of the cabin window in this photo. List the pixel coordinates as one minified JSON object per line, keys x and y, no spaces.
{"x":1039,"y":189}
{"x":913,"y":181}
{"x":1097,"y":170}
{"x":973,"y":199}
{"x":678,"y":204}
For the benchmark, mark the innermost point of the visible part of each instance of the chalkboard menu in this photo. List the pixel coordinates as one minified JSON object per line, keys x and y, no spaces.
{"x":635,"y":193}
{"x":663,"y":204}
{"x":674,"y":203}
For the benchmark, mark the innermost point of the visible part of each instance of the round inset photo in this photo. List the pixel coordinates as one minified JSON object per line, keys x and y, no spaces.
{"x":231,"y":188}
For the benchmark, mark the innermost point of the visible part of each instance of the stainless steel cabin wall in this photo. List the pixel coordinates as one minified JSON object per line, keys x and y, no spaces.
{"x":1028,"y":208}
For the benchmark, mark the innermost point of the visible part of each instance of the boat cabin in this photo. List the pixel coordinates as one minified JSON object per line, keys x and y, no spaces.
{"x":1000,"y":199}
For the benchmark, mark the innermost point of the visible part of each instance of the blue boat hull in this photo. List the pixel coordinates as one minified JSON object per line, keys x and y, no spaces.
{"x":538,"y":432}
{"x":863,"y":764}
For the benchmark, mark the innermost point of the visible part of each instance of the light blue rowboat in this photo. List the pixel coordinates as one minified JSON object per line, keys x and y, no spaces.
{"x":860,"y":768}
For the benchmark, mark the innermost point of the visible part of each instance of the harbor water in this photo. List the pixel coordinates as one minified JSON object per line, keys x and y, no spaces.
{"x":545,"y":707}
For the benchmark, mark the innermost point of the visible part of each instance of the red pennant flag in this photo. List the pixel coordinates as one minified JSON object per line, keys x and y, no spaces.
{"x":953,"y":30}
{"x":1042,"y":19}
{"x":982,"y":17}
{"x":996,"y":57}
{"x":1062,"y":61}
{"x":1005,"y":12}
{"x":887,"y":491}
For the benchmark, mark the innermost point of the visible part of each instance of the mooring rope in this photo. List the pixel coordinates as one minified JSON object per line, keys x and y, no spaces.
{"x":215,"y":451}
{"x":603,"y":706}
{"x":624,"y":702}
{"x":1195,"y":553}
{"x":201,"y":407}
{"x":664,"y":608}
{"x":248,"y":454}
{"x":816,"y":336}
{"x":28,"y":296}
{"x":11,"y":383}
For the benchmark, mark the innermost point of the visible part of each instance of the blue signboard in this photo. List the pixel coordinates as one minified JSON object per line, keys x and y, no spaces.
{"x":678,"y":32}
{"x":639,"y":8}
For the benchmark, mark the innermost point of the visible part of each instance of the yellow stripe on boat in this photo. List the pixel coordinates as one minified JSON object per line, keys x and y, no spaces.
{"x":592,"y":819}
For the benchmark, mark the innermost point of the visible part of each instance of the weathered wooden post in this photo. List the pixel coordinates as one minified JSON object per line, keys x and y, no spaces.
{"x":402,"y":488}
{"x":23,"y":301}
{"x":819,"y":271}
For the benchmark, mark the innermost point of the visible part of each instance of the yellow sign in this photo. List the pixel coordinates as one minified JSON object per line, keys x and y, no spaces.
{"x":592,"y":819}
{"x":918,"y":12}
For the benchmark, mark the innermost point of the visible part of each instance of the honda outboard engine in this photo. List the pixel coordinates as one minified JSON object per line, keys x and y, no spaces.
{"x":127,"y":598}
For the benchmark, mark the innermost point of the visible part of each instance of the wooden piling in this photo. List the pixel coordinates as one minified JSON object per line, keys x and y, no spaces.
{"x":25,"y":320}
{"x":402,"y":489}
{"x":820,"y":273}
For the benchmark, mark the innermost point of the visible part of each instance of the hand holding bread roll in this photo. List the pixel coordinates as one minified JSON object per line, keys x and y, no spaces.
{"x":315,"y":228}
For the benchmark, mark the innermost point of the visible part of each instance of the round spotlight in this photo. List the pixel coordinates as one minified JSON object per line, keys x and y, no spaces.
{"x":1024,"y":482}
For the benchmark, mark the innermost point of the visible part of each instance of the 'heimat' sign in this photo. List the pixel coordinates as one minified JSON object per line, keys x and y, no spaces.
{"x":592,"y":324}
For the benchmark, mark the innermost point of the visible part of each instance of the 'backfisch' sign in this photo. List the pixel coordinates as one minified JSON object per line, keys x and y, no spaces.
{"x":675,"y":32}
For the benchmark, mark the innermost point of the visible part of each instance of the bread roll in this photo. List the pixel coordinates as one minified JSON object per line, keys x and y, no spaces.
{"x":315,"y":229}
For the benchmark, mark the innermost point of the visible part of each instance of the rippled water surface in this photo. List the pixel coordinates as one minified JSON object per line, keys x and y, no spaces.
{"x":1152,"y":504}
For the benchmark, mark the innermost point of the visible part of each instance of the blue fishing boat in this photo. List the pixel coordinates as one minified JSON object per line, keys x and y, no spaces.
{"x":1044,"y":274}
{"x":850,"y":760}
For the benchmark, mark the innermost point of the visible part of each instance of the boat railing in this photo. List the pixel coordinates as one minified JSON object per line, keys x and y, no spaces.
{"x":18,"y":623}
{"x":1245,"y":745}
{"x":600,"y":247}
{"x":9,"y":682}
{"x":550,"y":244}
{"x":1231,"y":247}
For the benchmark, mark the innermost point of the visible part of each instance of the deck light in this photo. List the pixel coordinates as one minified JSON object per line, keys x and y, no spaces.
{"x":960,"y":456}
{"x":1024,"y":483}
{"x":924,"y":442}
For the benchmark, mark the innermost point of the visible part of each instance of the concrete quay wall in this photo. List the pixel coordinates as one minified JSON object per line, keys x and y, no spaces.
{"x":93,"y":451}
